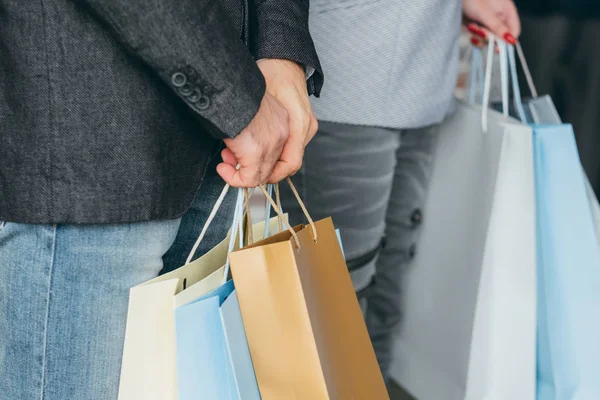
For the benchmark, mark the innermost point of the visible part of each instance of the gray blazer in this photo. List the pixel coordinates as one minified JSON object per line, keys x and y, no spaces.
{"x":110,"y":109}
{"x":390,"y":63}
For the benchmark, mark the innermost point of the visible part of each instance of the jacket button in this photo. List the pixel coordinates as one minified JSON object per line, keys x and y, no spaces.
{"x":203,"y":103}
{"x":416,"y":217}
{"x":178,"y":79}
{"x":186,"y":89}
{"x":195,"y":96}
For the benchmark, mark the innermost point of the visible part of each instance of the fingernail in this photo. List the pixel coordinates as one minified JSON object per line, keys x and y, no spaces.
{"x":510,"y":38}
{"x":474,"y":29}
{"x":475,"y":41}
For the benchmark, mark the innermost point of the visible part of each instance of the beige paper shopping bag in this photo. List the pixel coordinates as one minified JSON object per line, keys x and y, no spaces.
{"x":304,"y":326}
{"x":148,"y":370}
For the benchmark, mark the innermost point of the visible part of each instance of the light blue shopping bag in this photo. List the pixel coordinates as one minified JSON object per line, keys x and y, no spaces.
{"x":568,"y":272}
{"x":568,"y":345}
{"x":213,"y":359}
{"x":568,"y":337}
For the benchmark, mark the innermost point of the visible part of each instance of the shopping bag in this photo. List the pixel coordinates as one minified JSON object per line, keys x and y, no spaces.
{"x":569,"y":272}
{"x":213,"y":360}
{"x":203,"y":358}
{"x":568,"y":257}
{"x":304,"y":326}
{"x":149,"y":367}
{"x":594,"y":206}
{"x":540,"y":110}
{"x":469,"y":326}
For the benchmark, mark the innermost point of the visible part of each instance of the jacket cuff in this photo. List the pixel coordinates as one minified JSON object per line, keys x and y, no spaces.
{"x":280,"y":30}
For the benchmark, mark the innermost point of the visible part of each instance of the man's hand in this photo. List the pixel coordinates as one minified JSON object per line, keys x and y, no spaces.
{"x":257,"y":148}
{"x":286,"y":81}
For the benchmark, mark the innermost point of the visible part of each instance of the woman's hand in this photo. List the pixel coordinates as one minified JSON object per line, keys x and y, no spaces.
{"x":499,"y":17}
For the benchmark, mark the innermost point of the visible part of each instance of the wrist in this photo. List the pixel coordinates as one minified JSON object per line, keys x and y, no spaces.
{"x":273,"y":68}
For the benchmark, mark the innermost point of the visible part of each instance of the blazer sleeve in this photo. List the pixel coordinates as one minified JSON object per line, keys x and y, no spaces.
{"x":279,"y":29}
{"x":193,"y":47}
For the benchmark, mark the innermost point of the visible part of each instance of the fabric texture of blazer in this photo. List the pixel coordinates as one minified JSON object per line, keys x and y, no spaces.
{"x":111,"y":109}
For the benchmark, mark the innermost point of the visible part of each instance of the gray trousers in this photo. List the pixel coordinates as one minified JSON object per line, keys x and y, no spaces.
{"x":372,"y":182}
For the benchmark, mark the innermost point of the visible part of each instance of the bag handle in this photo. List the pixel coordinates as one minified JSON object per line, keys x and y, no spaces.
{"x":507,"y":56}
{"x":488,"y":83}
{"x":243,"y":200}
{"x":526,"y":71}
{"x":278,"y":201}
{"x":268,"y":211}
{"x":503,"y":76}
{"x":209,"y":220}
{"x":236,"y":228}
{"x":488,"y":79}
{"x":268,"y":208}
{"x":302,"y":206}
{"x":515,"y":83}
{"x":476,"y":74}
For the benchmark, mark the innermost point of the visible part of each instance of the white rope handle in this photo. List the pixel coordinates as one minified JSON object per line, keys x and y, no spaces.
{"x":280,"y":220}
{"x":268,"y":211}
{"x":488,"y":84}
{"x":515,"y":83}
{"x":476,"y":67}
{"x":236,"y":230}
{"x":504,"y":76}
{"x":209,"y":220}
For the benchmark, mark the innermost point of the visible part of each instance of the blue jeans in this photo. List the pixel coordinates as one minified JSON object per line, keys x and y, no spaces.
{"x":64,"y":293}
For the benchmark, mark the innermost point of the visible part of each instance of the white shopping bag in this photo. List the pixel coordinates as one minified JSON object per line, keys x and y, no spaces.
{"x":469,"y":327}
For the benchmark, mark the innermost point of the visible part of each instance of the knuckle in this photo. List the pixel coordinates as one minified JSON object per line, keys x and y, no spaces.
{"x":250,"y":179}
{"x":253,"y":182}
{"x":295,"y":164}
{"x":284,"y":133}
{"x":314,"y":126}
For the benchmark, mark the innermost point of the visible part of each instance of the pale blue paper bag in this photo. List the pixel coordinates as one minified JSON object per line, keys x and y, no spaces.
{"x":213,"y":359}
{"x":568,"y":272}
{"x":568,"y":331}
{"x":568,"y":343}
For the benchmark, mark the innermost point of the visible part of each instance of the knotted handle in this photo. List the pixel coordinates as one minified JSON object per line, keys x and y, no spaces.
{"x":277,"y":209}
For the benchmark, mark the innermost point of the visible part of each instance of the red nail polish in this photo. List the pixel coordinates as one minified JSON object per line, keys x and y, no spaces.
{"x":475,"y":41}
{"x":473,"y":29}
{"x":510,"y":38}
